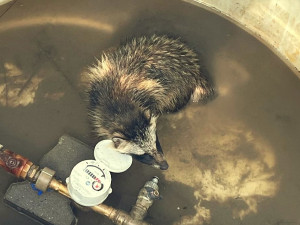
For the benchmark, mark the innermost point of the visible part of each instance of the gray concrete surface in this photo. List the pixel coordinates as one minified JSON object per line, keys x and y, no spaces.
{"x":50,"y":208}
{"x":232,"y":161}
{"x":275,"y":22}
{"x":65,"y":155}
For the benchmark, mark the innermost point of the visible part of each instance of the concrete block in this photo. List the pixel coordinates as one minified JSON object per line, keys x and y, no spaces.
{"x":50,"y":208}
{"x":65,"y":155}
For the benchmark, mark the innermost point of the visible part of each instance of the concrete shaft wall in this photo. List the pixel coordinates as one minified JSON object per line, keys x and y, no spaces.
{"x":277,"y":22}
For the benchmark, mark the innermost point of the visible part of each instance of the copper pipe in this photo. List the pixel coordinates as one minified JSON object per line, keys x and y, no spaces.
{"x":14,"y":163}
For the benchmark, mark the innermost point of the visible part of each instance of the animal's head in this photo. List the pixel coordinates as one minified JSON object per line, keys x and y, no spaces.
{"x":132,"y":129}
{"x":138,"y":137}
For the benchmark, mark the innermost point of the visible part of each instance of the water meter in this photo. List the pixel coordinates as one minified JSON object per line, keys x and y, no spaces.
{"x":89,"y":183}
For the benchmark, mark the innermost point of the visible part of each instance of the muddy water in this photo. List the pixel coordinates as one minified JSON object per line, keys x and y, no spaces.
{"x":232,"y":161}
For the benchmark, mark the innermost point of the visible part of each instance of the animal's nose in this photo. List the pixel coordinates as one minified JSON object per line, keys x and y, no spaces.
{"x":164,"y":165}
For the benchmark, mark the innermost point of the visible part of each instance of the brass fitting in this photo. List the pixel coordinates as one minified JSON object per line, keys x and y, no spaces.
{"x":145,"y":199}
{"x":59,"y":187}
{"x":25,"y":170}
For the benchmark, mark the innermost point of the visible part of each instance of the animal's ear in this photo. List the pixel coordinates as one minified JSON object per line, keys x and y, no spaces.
{"x":147,"y":114}
{"x":119,"y":142}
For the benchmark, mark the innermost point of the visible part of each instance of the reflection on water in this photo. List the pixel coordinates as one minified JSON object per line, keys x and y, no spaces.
{"x":16,"y":88}
{"x":223,"y":161}
{"x":54,"y":96}
{"x":57,"y":20}
{"x":236,"y":74}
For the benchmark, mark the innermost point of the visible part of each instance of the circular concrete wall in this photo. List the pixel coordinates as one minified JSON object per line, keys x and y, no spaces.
{"x":276,"y":23}
{"x":232,"y":161}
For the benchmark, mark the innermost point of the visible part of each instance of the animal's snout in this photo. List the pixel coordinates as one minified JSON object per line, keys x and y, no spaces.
{"x":159,"y":156}
{"x":164,"y":165}
{"x":150,"y":160}
{"x":155,"y":157}
{"x":160,"y":161}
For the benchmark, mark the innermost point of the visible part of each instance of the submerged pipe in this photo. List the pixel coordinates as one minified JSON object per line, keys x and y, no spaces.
{"x":21,"y":167}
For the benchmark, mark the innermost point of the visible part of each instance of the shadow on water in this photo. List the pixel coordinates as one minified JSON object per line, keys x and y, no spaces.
{"x":232,"y":161}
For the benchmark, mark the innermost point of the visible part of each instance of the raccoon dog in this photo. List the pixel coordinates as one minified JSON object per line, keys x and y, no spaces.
{"x":131,"y":86}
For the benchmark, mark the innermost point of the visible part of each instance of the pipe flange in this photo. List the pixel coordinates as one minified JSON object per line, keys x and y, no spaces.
{"x":25,"y":169}
{"x":44,"y":179}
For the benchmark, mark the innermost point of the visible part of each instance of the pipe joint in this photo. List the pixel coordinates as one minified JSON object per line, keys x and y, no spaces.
{"x":44,"y":179}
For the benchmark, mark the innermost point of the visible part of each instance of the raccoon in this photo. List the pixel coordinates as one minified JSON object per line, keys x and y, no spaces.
{"x":134,"y":84}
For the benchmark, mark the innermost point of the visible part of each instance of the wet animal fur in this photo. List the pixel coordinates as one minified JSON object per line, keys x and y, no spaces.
{"x":131,"y":86}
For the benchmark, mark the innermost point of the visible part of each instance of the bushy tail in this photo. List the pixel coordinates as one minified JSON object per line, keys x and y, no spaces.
{"x":204,"y":91}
